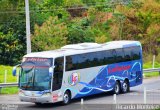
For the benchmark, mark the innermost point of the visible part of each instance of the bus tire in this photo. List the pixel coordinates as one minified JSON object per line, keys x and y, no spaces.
{"x":117,"y":88}
{"x":125,"y":86}
{"x":66,"y":98}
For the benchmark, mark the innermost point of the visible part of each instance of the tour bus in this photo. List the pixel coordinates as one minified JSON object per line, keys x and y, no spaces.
{"x":79,"y":70}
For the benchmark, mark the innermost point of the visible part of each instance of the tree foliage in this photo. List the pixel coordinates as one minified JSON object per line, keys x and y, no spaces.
{"x":51,"y":35}
{"x":55,"y":23}
{"x":140,"y":24}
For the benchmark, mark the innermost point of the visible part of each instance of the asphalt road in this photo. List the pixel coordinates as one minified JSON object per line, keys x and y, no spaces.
{"x":103,"y":101}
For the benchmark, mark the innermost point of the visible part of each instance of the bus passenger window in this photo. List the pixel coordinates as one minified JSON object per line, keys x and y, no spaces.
{"x":69,"y":64}
{"x":120,"y":55}
{"x":136,"y":53}
{"x":111,"y":55}
{"x":127,"y":52}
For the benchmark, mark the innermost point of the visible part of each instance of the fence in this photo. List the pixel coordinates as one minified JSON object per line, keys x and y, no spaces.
{"x":144,"y":97}
{"x":8,"y":78}
{"x":151,"y":70}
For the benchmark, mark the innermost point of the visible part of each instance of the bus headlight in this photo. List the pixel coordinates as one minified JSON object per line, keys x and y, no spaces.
{"x":21,"y":93}
{"x":46,"y":94}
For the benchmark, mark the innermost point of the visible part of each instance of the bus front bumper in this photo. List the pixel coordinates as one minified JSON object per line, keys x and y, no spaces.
{"x":40,"y":99}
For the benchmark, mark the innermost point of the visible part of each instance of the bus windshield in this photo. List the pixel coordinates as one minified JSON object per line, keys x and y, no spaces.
{"x":35,"y":75}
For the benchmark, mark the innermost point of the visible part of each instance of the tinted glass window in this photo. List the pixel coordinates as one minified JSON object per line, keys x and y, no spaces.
{"x":119,"y":55}
{"x":69,"y":64}
{"x":90,"y":60}
{"x":103,"y":58}
{"x":110,"y":56}
{"x":93,"y":59}
{"x":96,"y":59}
{"x":136,"y":53}
{"x":127,"y":52}
{"x":78,"y":61}
{"x":87,"y":60}
{"x":132,"y":53}
{"x":58,"y":73}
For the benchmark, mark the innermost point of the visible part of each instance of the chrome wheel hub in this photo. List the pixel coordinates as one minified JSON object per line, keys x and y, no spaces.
{"x":124,"y":87}
{"x":117,"y":89}
{"x":66,"y":98}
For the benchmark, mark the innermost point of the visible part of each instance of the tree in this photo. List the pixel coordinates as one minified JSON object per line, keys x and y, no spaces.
{"x":51,"y":35}
{"x":9,"y":49}
{"x":72,"y":3}
{"x":141,"y":23}
{"x":12,"y":29}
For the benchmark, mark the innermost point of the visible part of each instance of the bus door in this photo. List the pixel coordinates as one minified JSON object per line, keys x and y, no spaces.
{"x":58,"y":73}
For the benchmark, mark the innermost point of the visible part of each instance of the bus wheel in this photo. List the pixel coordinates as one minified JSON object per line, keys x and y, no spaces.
{"x":117,"y":88}
{"x":125,"y":86}
{"x":66,"y":98}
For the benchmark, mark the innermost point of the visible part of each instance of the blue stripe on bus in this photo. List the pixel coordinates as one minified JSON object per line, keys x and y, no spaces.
{"x":105,"y":82}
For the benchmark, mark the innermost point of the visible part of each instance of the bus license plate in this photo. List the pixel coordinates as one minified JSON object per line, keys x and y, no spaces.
{"x":33,"y":99}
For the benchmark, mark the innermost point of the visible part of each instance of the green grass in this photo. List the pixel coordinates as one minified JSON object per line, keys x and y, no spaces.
{"x":149,"y":65}
{"x":151,"y":74}
{"x":9,"y":90}
{"x":10,"y":78}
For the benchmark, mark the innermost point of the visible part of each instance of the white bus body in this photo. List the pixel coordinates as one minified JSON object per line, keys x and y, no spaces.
{"x":80,"y":70}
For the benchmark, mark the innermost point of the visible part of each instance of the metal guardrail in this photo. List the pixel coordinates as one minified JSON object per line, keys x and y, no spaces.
{"x":16,"y":84}
{"x":2,"y":85}
{"x":8,"y":84}
{"x":151,"y":70}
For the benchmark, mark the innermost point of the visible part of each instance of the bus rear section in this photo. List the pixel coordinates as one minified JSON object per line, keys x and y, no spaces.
{"x":115,"y":69}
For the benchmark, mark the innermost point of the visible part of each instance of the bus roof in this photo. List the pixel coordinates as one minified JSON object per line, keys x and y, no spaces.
{"x":83,"y":48}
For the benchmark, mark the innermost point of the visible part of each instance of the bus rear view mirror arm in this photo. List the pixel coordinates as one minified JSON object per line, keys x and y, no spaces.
{"x":14,"y":70}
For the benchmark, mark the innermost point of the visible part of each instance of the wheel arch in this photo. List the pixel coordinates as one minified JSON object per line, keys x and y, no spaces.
{"x":69,"y":91}
{"x":126,"y":79}
{"x":118,"y":81}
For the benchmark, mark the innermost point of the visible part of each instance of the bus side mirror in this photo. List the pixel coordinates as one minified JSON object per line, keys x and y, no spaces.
{"x":14,"y":71}
{"x":50,"y":71}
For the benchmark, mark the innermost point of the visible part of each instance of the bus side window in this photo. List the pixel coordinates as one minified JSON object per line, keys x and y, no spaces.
{"x":58,"y":73}
{"x":108,"y":57}
{"x":88,"y":60}
{"x":127,"y":52}
{"x":111,"y":58}
{"x":79,"y":61}
{"x":136,"y":53}
{"x":119,"y":55}
{"x":69,"y":64}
